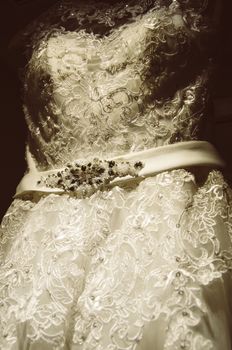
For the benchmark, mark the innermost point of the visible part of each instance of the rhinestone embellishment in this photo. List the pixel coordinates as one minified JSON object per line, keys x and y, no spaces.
{"x":85,"y":177}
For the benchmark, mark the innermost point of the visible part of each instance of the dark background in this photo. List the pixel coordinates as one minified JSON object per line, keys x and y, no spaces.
{"x":15,"y":15}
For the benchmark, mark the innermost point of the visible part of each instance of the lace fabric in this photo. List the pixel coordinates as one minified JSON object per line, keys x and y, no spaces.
{"x":128,"y":268}
{"x":135,"y":267}
{"x":113,"y":79}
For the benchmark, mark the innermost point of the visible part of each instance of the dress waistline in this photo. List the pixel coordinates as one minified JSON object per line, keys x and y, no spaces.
{"x":86,"y":177}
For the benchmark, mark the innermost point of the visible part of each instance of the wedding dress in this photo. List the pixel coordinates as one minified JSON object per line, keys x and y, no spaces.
{"x":119,"y":235}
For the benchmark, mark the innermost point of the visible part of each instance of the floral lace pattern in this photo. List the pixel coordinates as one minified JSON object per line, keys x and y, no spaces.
{"x":113,"y":80}
{"x":124,"y":269}
{"x":139,"y":266}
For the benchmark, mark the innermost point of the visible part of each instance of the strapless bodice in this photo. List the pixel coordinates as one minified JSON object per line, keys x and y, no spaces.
{"x":90,"y":95}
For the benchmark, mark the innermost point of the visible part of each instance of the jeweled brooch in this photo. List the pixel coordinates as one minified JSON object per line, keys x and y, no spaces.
{"x":85,"y":177}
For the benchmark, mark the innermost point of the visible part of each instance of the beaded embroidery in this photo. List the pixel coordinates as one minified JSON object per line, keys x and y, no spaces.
{"x":84,"y":178}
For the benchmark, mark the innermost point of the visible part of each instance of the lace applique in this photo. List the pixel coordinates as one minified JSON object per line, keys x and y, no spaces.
{"x":112,"y":91}
{"x":104,"y":273}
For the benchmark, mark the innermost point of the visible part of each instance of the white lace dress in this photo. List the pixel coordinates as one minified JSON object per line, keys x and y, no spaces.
{"x":146,"y":266}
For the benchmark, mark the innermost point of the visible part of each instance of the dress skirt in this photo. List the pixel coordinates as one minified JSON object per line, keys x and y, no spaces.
{"x":145,"y":266}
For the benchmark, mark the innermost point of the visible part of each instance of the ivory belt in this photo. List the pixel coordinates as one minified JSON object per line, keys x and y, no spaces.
{"x":85,"y":177}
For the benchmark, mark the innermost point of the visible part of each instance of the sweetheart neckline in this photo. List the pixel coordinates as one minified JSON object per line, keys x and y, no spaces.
{"x":105,"y":37}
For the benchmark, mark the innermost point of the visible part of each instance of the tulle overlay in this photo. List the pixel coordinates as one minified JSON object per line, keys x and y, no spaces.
{"x":141,"y":267}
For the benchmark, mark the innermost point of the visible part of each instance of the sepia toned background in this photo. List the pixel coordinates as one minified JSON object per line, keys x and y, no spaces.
{"x":16,"y":14}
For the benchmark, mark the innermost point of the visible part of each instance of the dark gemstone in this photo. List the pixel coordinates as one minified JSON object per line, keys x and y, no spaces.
{"x":59,"y":174}
{"x":72,"y":188}
{"x":59,"y":182}
{"x":111,"y":163}
{"x":138,"y":164}
{"x":101,"y":170}
{"x":83,"y":167}
{"x":89,"y":165}
{"x":38,"y":182}
{"x":111,"y":172}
